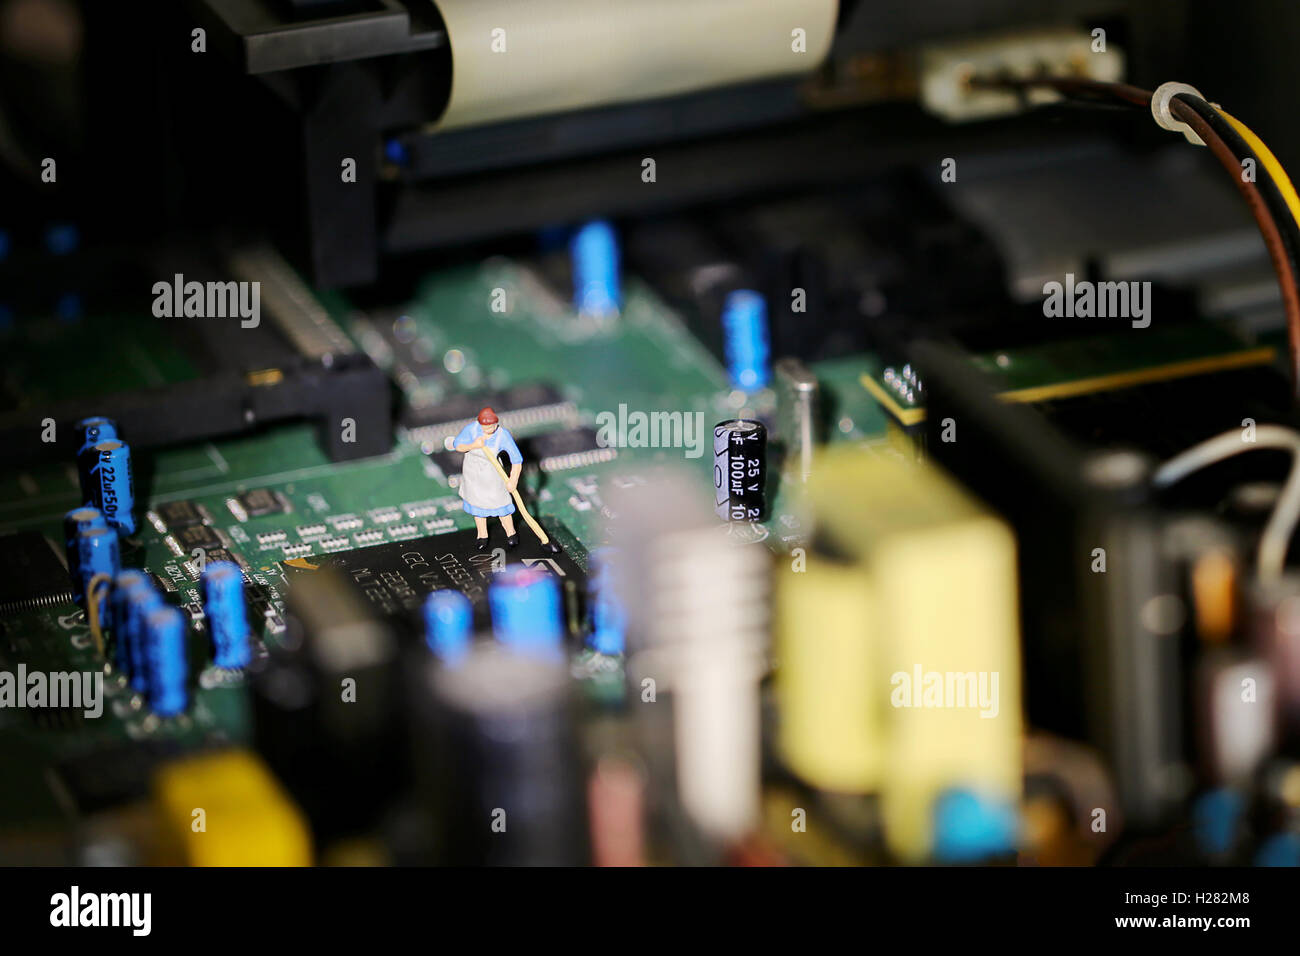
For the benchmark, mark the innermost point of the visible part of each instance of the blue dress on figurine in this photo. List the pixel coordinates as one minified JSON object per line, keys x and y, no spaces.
{"x":481,"y":488}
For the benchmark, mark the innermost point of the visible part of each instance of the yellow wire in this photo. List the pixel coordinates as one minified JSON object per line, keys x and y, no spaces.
{"x":1270,"y":162}
{"x":92,"y":608}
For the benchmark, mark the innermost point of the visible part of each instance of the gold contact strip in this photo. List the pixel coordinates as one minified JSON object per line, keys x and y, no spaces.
{"x":1084,"y":386}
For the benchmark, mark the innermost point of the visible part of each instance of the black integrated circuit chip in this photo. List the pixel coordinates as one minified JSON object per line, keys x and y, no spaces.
{"x":179,"y":514}
{"x":567,"y":448}
{"x":198,"y":536}
{"x":567,"y":442}
{"x":162,"y":583}
{"x":549,"y":451}
{"x":221,"y":554}
{"x":395,"y":577}
{"x":32,"y":574}
{"x":451,"y":463}
{"x":465,"y":406}
{"x":262,"y":501}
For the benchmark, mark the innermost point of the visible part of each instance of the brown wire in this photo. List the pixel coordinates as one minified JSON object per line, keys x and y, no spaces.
{"x":1268,"y":227}
{"x":1132,"y":95}
{"x":1286,"y":277}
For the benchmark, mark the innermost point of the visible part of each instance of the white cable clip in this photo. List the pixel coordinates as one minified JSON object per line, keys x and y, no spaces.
{"x":1160,"y":110}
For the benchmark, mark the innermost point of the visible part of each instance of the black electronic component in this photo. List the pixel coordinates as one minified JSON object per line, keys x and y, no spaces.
{"x":450,"y":463}
{"x":499,"y":762}
{"x":456,"y":409}
{"x":179,"y":514}
{"x":395,"y":577}
{"x":221,"y":554}
{"x":569,"y":448}
{"x":520,"y":407}
{"x":263,"y":603}
{"x":260,"y":502}
{"x":162,"y":583}
{"x":294,"y":363}
{"x":326,"y":706}
{"x":460,"y":408}
{"x":198,"y":536}
{"x":228,"y":403}
{"x":31,"y":574}
{"x":114,"y":775}
{"x":740,"y":470}
{"x":1101,"y":660}
{"x":194,"y":611}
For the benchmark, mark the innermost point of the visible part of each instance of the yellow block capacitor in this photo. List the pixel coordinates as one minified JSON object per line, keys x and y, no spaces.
{"x":829,"y":730}
{"x":227,"y":809}
{"x":899,"y":660}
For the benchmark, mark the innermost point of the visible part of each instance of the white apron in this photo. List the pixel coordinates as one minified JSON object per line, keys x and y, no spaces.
{"x":480,"y":485}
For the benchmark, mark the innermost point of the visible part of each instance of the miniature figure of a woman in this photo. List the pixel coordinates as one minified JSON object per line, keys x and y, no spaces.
{"x":484,"y":493}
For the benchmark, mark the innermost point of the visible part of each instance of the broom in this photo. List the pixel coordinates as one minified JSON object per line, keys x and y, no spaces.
{"x":549,"y":546}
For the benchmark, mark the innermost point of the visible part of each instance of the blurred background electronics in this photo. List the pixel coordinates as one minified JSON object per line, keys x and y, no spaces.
{"x":864,"y":557}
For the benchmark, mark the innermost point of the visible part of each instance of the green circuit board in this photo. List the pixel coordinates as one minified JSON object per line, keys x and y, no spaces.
{"x":646,"y":360}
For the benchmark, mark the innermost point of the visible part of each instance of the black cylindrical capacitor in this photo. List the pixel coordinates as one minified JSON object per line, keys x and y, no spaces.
{"x":325,"y":706}
{"x":506,"y":780}
{"x":740,"y":469}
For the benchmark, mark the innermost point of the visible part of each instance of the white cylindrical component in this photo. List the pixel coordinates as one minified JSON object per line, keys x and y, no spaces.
{"x":713,"y":600}
{"x":517,"y":58}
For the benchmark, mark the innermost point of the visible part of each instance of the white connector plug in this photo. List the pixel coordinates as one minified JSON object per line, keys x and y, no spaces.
{"x":946,"y":70}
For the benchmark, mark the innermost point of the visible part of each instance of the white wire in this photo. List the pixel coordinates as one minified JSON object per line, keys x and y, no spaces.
{"x":1276,"y":539}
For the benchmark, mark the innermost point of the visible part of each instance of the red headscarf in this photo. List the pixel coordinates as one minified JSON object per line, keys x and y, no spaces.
{"x":487,"y":416}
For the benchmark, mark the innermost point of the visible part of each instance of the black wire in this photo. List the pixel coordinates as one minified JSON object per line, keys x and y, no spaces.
{"x":1268,"y":189}
{"x":1275,"y":220}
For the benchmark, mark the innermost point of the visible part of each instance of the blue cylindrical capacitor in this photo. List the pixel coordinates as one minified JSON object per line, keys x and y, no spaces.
{"x":93,"y":430}
{"x":227,"y":616}
{"x":97,"y":553}
{"x":90,"y":432}
{"x":74,"y":522}
{"x":448,"y":618}
{"x":969,"y":827}
{"x":112,"y":488}
{"x":526,"y":616}
{"x":744,"y":329}
{"x":140,"y":603}
{"x":128,"y":580}
{"x":167,"y":668}
{"x":608,"y":618}
{"x":594,"y":253}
